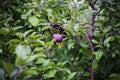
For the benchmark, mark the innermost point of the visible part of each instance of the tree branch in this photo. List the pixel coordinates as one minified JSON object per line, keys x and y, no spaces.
{"x":89,"y":36}
{"x":92,"y":4}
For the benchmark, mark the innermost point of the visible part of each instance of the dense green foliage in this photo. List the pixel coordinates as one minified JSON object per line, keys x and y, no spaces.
{"x":28,"y":51}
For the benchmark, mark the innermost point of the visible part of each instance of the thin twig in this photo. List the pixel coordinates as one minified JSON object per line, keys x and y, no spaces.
{"x":18,"y":70}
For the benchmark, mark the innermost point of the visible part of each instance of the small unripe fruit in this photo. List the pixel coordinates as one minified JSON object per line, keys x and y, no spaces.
{"x":58,"y":37}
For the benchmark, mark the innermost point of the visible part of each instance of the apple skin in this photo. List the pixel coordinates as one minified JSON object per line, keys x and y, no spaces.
{"x":57,"y":37}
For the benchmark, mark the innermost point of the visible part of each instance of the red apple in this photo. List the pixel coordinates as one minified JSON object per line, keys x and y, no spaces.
{"x":58,"y":37}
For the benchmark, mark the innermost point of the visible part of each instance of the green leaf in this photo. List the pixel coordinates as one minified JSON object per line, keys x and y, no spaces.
{"x":40,"y":43}
{"x":98,"y":55}
{"x":50,"y":74}
{"x":4,"y":31}
{"x":76,"y":27}
{"x":40,"y":49}
{"x":95,"y":41}
{"x":85,"y":16}
{"x":66,"y":70}
{"x":46,"y":63}
{"x":83,"y":44}
{"x":33,"y":57}
{"x":61,"y":64}
{"x":95,"y":64}
{"x":70,"y":44}
{"x":68,"y":31}
{"x":50,"y":43}
{"x":107,"y":40}
{"x":1,"y":51}
{"x":33,"y":20}
{"x":50,"y":17}
{"x":27,"y":33}
{"x":97,"y":32}
{"x":24,"y":16}
{"x":19,"y":35}
{"x":29,"y":72}
{"x":40,"y":61}
{"x":17,"y":28}
{"x":23,"y":51}
{"x":45,"y":27}
{"x":49,"y":11}
{"x":115,"y":75}
{"x":86,"y":74}
{"x":70,"y":76}
{"x":2,"y":74}
{"x":19,"y":61}
{"x":8,"y":67}
{"x":14,"y":41}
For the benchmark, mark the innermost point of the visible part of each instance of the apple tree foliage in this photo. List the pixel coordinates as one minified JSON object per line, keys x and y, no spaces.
{"x":28,"y":51}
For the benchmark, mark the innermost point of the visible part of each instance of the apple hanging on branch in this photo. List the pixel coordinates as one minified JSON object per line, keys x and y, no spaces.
{"x":57,"y":37}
